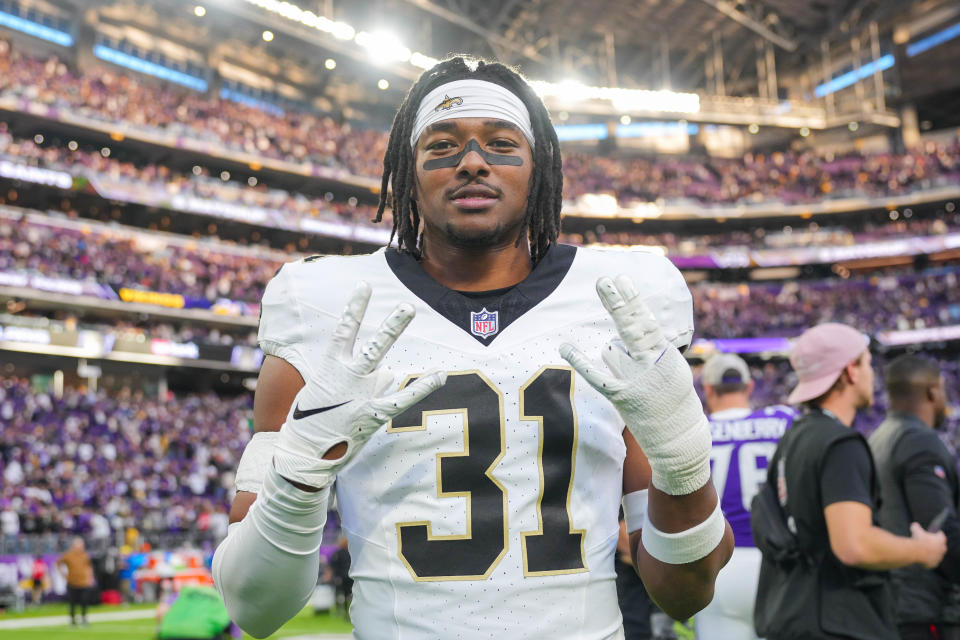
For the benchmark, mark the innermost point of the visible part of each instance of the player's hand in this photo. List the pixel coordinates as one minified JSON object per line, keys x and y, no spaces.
{"x":931,"y":546}
{"x":346,"y":401}
{"x":650,"y":384}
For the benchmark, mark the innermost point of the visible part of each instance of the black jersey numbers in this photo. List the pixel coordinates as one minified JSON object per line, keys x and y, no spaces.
{"x":555,"y":547}
{"x":466,"y":473}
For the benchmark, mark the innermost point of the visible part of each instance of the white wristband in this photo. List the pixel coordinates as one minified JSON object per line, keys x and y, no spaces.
{"x":635,"y":509}
{"x":685,"y":546}
{"x":256,"y":459}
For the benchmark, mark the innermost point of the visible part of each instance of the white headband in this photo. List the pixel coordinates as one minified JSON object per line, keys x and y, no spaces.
{"x":471,"y":99}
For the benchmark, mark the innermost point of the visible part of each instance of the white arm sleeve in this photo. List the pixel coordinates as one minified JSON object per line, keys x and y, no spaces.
{"x":267,"y":566}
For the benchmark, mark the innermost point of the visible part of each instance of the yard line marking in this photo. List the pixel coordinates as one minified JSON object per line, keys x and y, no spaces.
{"x":63,"y":620}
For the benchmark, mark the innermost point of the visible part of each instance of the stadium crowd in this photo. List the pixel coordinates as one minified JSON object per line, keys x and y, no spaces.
{"x":790,"y":177}
{"x":877,"y":302}
{"x":200,"y":272}
{"x":158,"y":185}
{"x":883,"y":301}
{"x":112,"y":97}
{"x":96,"y":463}
{"x":784,"y":176}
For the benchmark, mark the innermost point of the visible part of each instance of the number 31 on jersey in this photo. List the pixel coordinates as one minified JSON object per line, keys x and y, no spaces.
{"x":555,"y":547}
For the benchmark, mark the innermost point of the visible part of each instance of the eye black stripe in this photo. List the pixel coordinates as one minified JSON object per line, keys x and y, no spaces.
{"x":448,"y":162}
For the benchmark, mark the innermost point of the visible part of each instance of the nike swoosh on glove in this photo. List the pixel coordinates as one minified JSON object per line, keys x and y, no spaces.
{"x":650,"y":384}
{"x":347,"y":400}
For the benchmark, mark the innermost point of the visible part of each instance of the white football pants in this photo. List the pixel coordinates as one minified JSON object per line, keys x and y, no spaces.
{"x":729,"y":616}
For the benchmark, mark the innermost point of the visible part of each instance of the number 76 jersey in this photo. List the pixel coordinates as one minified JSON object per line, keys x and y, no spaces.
{"x":743,"y":444}
{"x":489,"y":510}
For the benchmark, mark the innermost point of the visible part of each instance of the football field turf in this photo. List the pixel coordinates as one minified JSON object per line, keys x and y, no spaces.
{"x":304,"y":625}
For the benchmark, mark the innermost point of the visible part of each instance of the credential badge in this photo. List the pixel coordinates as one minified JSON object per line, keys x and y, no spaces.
{"x":484,"y":323}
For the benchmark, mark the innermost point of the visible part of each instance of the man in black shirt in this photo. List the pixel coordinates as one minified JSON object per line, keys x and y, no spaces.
{"x":918,"y":479}
{"x":824,"y":477}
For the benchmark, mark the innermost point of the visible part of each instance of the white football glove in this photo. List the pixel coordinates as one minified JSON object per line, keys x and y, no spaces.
{"x":652,"y":388}
{"x":345,"y":402}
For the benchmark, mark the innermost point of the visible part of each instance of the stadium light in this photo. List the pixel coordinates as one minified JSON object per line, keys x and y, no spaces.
{"x":383,"y":47}
{"x":268,"y":36}
{"x":290,"y":11}
{"x":852,"y":77}
{"x":35,"y":29}
{"x":932,"y":41}
{"x":591,"y":131}
{"x":330,"y":64}
{"x":242,"y":98}
{"x":422,"y":61}
{"x":387,"y":48}
{"x":149,"y":68}
{"x":625,"y":100}
{"x":383,"y":84}
{"x":199,"y":11}
{"x":656,"y":129}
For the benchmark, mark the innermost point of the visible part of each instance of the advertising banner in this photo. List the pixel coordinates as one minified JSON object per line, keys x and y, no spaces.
{"x":56,"y":285}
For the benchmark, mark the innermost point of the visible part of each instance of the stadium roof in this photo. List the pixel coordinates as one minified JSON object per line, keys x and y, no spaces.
{"x":580,"y":34}
{"x":708,"y":46}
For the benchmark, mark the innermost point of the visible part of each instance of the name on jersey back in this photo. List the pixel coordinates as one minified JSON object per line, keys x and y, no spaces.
{"x":749,"y":429}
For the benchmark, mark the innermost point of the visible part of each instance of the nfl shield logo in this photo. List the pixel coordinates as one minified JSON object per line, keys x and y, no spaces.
{"x":484,"y":323}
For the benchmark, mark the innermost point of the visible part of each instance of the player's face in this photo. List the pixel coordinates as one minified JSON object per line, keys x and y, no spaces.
{"x":472,"y":181}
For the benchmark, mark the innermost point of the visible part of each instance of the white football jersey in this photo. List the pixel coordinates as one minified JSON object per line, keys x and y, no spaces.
{"x":490,"y":509}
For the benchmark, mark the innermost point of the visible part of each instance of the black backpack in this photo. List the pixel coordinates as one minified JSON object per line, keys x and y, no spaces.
{"x":771,"y":535}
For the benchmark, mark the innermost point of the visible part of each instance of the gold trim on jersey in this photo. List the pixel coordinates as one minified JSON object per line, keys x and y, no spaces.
{"x":573,"y":467}
{"x":464,"y":494}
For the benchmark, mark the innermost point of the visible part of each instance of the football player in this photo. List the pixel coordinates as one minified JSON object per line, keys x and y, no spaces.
{"x":479,"y":456}
{"x":744,"y":440}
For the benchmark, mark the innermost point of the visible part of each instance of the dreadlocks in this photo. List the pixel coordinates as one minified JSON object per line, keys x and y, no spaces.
{"x":542,"y":217}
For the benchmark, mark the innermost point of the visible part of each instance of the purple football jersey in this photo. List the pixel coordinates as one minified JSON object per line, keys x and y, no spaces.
{"x":743,"y":444}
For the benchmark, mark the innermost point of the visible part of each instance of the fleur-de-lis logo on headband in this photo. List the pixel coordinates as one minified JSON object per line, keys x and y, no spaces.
{"x":448,"y":103}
